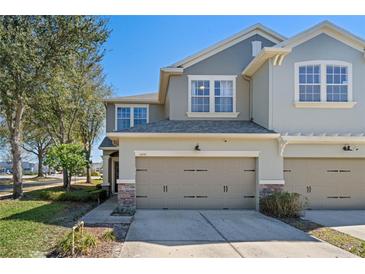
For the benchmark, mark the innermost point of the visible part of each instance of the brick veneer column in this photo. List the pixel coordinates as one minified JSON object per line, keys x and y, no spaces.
{"x":267,"y":189}
{"x":127,"y":195}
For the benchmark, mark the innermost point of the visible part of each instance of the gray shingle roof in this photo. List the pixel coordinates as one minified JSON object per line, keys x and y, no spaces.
{"x":199,"y":126}
{"x":106,"y":143}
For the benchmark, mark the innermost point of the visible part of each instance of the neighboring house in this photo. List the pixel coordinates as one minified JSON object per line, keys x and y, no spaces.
{"x":97,"y":167}
{"x":250,"y":115}
{"x":28,"y":168}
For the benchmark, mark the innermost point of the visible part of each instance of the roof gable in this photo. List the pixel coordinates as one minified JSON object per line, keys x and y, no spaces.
{"x":328,"y":28}
{"x":230,"y":41}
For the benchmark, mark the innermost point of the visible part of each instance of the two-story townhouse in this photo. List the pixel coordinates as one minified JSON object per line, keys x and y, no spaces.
{"x":252,"y":114}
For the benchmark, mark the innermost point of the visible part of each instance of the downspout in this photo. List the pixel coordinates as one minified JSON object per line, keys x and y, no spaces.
{"x":248,"y":79}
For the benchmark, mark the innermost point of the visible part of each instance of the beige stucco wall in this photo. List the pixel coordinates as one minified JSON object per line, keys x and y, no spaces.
{"x":270,"y":163}
{"x":323,"y":151}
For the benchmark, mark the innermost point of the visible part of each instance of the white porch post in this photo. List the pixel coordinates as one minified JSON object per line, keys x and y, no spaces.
{"x":106,"y":171}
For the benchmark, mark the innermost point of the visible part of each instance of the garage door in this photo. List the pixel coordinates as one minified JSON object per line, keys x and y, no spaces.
{"x":195,"y":183}
{"x":327,"y":183}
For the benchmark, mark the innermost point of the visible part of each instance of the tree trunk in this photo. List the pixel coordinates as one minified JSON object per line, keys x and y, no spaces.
{"x":88,"y":166}
{"x":40,"y":164}
{"x":65,"y":179}
{"x":88,"y":174}
{"x":17,"y":164}
{"x":69,"y":182}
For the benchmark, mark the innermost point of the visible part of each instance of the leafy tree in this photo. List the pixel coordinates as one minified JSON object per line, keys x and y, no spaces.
{"x":36,"y":141}
{"x":33,"y":49}
{"x":70,"y":157}
{"x":92,"y":112}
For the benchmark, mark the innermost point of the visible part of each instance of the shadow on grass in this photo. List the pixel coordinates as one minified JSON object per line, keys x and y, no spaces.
{"x":54,"y":213}
{"x":35,"y":209}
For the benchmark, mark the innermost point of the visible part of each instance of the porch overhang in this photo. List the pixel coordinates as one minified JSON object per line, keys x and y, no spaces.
{"x":277,"y":54}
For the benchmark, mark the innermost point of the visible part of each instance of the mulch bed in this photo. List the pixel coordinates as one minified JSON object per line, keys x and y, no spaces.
{"x":107,"y":249}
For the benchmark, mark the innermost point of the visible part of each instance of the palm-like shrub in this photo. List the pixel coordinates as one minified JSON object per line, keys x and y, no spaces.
{"x":283,"y":205}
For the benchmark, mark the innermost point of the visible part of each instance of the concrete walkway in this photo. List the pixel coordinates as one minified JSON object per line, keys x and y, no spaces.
{"x":102,"y":214}
{"x":219,"y":233}
{"x":351,"y":222}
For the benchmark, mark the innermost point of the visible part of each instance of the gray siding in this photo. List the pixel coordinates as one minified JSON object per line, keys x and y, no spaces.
{"x":260,"y":96}
{"x":156,"y":113}
{"x":228,"y":62}
{"x":110,"y":117}
{"x":288,"y":118}
{"x":167,"y":106}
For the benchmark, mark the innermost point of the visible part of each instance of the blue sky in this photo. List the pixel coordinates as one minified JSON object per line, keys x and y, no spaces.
{"x":140,"y":45}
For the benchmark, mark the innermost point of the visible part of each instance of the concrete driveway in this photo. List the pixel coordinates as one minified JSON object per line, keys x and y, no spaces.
{"x":347,"y":221}
{"x":219,"y":233}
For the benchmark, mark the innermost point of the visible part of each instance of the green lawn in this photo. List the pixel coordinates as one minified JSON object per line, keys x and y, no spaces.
{"x":31,"y":227}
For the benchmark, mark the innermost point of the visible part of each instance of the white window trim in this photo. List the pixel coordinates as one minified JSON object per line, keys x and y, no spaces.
{"x":212,"y":113}
{"x":323,"y":103}
{"x":131,"y":106}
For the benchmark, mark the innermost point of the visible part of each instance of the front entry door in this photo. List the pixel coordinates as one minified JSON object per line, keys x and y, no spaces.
{"x":116,"y":176}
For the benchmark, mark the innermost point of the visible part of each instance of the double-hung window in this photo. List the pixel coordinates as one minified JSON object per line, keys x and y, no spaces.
{"x":310,"y":83}
{"x":337,"y":83}
{"x":212,"y":96}
{"x":223,"y":95}
{"x":123,"y":117}
{"x":200,"y":96}
{"x":130,"y":115}
{"x":323,"y":83}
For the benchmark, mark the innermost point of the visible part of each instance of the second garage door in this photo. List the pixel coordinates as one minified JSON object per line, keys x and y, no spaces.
{"x":327,"y":183}
{"x":195,"y":183}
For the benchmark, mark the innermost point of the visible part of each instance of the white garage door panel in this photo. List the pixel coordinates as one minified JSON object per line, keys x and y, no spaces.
{"x":209,"y":183}
{"x":327,"y":183}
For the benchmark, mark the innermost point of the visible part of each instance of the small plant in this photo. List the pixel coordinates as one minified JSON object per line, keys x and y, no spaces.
{"x":84,"y":242}
{"x":362,"y":250}
{"x":283,"y":205}
{"x":124,"y":211}
{"x":108,"y":236}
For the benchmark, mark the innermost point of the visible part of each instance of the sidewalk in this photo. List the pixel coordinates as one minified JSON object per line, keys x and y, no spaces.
{"x":102,"y":214}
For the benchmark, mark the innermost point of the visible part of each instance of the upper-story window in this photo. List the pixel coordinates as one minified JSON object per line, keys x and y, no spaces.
{"x":323,"y":83}
{"x":337,"y":83}
{"x":200,"y":96}
{"x":309,"y":83}
{"x":130,"y":115}
{"x":223,"y":94}
{"x":212,"y":96}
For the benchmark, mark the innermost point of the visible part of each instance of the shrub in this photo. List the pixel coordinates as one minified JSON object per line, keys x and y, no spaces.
{"x":75,"y":196}
{"x":283,"y":205}
{"x":108,"y":236}
{"x":95,"y":173}
{"x":84,"y":242}
{"x":98,"y":195}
